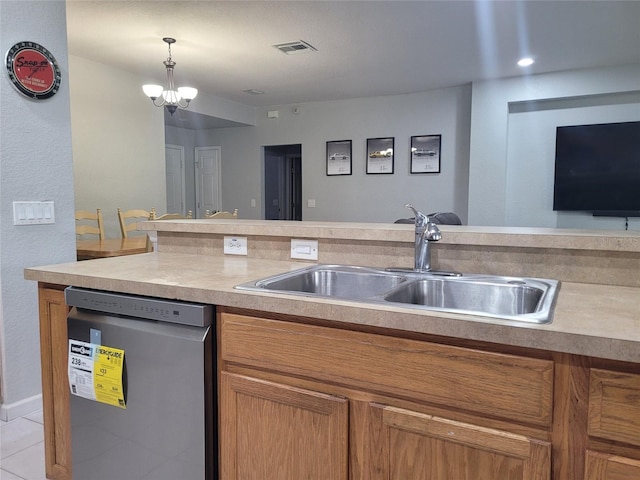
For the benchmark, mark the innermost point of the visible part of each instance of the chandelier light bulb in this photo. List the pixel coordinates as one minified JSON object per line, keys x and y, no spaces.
{"x":152,"y":91}
{"x":170,"y":97}
{"x":188,"y":93}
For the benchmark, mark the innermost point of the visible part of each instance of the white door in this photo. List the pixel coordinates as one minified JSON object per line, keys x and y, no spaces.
{"x":174,"y":157}
{"x":208,"y":182}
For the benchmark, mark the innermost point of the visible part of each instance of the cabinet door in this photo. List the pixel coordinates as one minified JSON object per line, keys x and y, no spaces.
{"x":610,"y":467}
{"x":410,"y":445}
{"x":55,"y":387}
{"x":270,"y":431}
{"x":614,"y":406}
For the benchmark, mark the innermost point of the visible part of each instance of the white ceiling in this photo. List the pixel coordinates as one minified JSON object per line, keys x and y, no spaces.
{"x":364,"y":48}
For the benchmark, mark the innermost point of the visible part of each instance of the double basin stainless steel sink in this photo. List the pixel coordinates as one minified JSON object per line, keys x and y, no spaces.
{"x":508,"y":298}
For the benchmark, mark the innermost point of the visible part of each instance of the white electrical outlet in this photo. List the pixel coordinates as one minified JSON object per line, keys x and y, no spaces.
{"x":33,"y":213}
{"x":235,"y":245}
{"x":304,"y":249}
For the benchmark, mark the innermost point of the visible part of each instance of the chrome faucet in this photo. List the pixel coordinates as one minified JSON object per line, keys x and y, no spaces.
{"x":426,"y":232}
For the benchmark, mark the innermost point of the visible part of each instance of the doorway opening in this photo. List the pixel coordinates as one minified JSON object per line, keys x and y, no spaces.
{"x":283,"y":182}
{"x":208,"y":180}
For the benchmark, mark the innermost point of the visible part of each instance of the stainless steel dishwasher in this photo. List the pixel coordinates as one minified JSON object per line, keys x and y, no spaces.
{"x":141,"y":375}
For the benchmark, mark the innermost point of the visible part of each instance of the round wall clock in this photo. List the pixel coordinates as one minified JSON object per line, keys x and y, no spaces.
{"x":33,"y":70}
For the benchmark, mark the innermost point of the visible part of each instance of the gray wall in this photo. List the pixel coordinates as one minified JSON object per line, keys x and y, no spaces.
{"x":506,"y":173}
{"x":513,"y":126}
{"x":503,"y":178}
{"x":118,"y":143}
{"x":356,"y":197}
{"x":119,"y":139}
{"x":35,"y":164}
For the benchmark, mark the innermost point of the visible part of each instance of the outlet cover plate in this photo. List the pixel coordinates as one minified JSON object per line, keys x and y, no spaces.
{"x":235,"y":245}
{"x":304,"y":249}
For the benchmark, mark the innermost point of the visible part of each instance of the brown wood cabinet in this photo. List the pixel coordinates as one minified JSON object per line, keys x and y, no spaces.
{"x":614,"y":416}
{"x":614,"y":406}
{"x":379,"y":377}
{"x":271,"y":431}
{"x":406,"y":444}
{"x":55,"y":386}
{"x":601,"y":466}
{"x":484,"y":382}
{"x":300,"y":398}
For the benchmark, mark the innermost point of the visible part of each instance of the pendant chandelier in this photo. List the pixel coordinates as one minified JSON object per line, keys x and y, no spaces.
{"x":170,"y":97}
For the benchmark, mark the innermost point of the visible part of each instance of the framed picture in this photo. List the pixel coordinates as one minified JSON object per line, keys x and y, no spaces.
{"x":425,"y":154}
{"x":339,"y":157}
{"x":380,"y":155}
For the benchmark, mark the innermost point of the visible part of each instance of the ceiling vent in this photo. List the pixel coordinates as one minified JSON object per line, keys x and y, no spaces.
{"x":291,"y":48}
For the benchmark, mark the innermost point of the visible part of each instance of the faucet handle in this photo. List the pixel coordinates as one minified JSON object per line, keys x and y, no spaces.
{"x":421,"y":218}
{"x":433,"y":233}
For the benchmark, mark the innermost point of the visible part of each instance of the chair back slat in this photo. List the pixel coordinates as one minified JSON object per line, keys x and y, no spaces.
{"x":230,"y":215}
{"x":171,"y":216}
{"x":129,"y":220}
{"x":85,"y":228}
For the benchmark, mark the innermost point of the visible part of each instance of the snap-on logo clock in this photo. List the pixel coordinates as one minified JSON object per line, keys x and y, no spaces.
{"x":33,"y":70}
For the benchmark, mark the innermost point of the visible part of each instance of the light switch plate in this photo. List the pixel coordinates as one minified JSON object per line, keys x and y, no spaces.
{"x":33,"y":213}
{"x":235,"y":245}
{"x":304,"y":249}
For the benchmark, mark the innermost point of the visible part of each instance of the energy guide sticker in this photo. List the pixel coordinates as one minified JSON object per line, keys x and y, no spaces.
{"x":95,"y":372}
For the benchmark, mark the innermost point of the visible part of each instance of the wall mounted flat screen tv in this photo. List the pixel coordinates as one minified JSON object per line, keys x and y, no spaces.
{"x":597,"y":169}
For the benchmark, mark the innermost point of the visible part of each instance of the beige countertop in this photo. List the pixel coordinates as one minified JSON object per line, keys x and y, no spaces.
{"x":528,"y":237}
{"x":593,"y":320}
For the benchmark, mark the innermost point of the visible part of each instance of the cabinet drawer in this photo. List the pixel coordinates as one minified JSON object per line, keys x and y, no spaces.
{"x":614,"y":406}
{"x":600,"y":466}
{"x":504,"y":386}
{"x":414,"y":445}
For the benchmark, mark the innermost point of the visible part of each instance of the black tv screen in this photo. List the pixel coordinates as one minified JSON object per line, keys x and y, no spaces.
{"x":598,"y":168}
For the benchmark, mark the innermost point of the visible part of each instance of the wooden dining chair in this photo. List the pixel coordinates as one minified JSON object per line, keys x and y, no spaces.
{"x":230,"y":215}
{"x":129,"y":220}
{"x":170,"y":216}
{"x":96,"y":225}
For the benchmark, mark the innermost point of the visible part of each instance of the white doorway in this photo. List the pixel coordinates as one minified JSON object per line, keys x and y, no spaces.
{"x":208,"y":180}
{"x":176,"y":199}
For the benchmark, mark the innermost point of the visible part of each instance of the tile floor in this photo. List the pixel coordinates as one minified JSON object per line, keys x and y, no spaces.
{"x":22,"y":448}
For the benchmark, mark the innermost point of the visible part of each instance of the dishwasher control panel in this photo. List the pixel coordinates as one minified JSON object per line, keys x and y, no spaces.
{"x":148,"y":308}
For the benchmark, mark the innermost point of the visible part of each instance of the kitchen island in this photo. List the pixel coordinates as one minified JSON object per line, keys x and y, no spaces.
{"x":377,"y":383}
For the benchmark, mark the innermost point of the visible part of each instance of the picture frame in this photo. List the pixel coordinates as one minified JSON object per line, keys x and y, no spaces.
{"x":380,"y":155}
{"x":339,"y":157}
{"x":425,"y":153}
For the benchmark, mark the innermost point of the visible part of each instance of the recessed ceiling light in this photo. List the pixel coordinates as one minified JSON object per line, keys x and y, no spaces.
{"x":525,"y":62}
{"x":253,"y":91}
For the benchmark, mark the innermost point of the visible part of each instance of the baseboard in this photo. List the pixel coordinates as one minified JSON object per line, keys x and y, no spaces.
{"x":11,"y":411}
